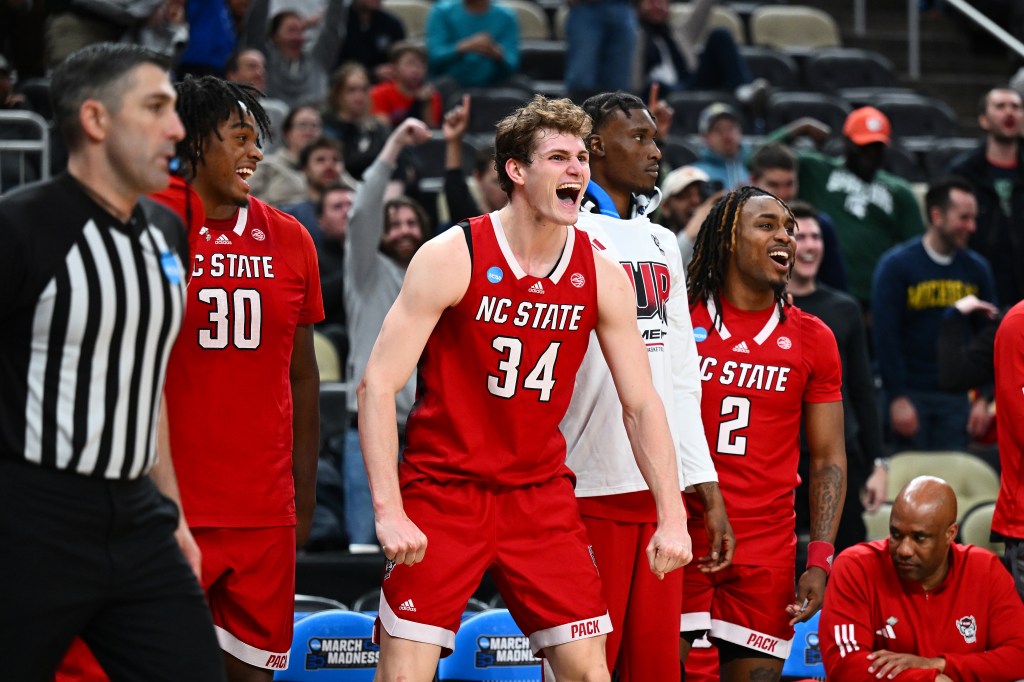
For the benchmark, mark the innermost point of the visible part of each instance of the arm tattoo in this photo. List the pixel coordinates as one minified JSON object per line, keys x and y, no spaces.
{"x":827,"y":493}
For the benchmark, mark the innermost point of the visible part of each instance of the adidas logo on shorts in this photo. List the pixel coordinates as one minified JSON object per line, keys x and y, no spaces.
{"x":537,"y":288}
{"x":407,"y":605}
{"x":223,"y":239}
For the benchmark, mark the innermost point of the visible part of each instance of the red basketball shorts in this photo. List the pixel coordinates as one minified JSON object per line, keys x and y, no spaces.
{"x":530,"y":538}
{"x":745,"y":605}
{"x":249,"y":580}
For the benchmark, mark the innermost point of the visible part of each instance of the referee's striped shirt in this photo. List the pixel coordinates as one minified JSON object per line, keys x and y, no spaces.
{"x":89,"y":309}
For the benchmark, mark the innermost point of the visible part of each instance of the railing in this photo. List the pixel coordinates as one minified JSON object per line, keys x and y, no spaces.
{"x":23,"y":147}
{"x":914,"y":29}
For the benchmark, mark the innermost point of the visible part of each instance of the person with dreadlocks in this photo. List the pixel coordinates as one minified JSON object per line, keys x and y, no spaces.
{"x":616,"y":506}
{"x":243,"y":386}
{"x":764,"y":365}
{"x":496,"y":314}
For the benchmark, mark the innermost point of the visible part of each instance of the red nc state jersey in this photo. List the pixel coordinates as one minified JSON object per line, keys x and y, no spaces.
{"x":756,"y":373}
{"x":254,"y":279}
{"x":498,"y":370}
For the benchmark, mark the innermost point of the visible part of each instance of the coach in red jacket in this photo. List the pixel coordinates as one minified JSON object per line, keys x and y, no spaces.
{"x":918,"y":606}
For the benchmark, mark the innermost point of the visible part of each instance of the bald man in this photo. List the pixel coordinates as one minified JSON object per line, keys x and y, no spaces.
{"x":919,"y":606}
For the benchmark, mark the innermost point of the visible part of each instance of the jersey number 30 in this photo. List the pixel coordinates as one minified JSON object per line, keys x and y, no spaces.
{"x":236,"y":318}
{"x":541,"y":377}
{"x":737,"y":408}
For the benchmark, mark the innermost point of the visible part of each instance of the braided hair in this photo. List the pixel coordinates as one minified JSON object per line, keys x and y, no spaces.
{"x":705,"y":276}
{"x":206,"y":102}
{"x":602,"y":107}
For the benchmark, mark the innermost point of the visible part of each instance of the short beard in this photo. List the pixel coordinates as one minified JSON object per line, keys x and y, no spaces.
{"x":1002,"y":139}
{"x":242,"y":203}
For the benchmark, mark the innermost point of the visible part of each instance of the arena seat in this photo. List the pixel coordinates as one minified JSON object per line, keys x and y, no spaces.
{"x":533,"y":22}
{"x":367,"y":602}
{"x":786,"y":107}
{"x":722,"y":16}
{"x":308,"y":603}
{"x":489,"y":105}
{"x":412,"y":14}
{"x":776,"y":67}
{"x":793,"y":26}
{"x":676,"y":152}
{"x":832,"y":69}
{"x":943,"y":152}
{"x":332,"y":646}
{"x":976,"y":526}
{"x":542,"y":60}
{"x":804,"y":661}
{"x":913,"y":115}
{"x":431,"y":157}
{"x":877,"y":523}
{"x":687,"y":106}
{"x":972,"y":479}
{"x":490,"y":647}
{"x":561,"y":16}
{"x":327,"y":359}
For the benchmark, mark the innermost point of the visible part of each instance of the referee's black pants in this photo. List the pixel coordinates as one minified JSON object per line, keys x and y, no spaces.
{"x":97,"y":558}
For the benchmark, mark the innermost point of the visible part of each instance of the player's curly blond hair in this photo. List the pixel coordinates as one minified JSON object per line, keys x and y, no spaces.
{"x":517,"y":133}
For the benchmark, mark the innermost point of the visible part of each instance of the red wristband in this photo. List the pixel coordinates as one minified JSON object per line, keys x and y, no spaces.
{"x":820,"y":554}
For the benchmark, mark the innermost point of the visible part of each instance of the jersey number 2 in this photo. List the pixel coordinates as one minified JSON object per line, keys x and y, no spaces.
{"x":738,"y":409}
{"x":238,"y":319}
{"x":541,"y":377}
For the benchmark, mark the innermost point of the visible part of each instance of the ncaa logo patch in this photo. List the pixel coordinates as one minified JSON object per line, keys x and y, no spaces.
{"x":700,"y":334}
{"x":258,"y":234}
{"x":784,"y":342}
{"x":495,"y":275}
{"x":578,"y":280}
{"x":169,"y":264}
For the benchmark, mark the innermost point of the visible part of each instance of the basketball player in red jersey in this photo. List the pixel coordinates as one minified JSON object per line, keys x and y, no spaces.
{"x":764,"y":365}
{"x":497,"y":314}
{"x":242,"y":390}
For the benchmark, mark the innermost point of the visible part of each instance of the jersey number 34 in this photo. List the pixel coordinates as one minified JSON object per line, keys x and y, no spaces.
{"x":541,"y":378}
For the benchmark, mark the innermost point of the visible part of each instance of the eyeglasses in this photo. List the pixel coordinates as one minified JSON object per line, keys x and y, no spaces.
{"x":307,"y":125}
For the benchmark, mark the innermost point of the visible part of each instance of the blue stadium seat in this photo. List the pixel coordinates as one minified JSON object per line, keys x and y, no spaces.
{"x":804,"y":660}
{"x":490,"y":647}
{"x":332,"y":646}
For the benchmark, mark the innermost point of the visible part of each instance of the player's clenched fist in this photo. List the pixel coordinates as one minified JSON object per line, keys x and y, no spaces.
{"x":669,"y":549}
{"x":402,"y":540}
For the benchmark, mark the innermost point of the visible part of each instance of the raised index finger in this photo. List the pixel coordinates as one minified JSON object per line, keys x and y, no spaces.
{"x":652,"y":96}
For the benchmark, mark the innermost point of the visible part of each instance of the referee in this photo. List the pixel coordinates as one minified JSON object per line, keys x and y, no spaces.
{"x":93,"y":290}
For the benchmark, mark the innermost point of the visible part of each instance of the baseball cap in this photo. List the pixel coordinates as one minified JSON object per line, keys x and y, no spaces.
{"x":712,"y":113}
{"x":681,"y":178}
{"x":867,"y":125}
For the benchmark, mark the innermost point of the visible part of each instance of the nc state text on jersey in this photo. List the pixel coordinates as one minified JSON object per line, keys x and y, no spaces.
{"x":235,"y":265}
{"x":553,"y":316}
{"x":745,"y":374}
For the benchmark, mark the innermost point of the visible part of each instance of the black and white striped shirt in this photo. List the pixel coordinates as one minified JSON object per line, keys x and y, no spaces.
{"x":89,"y":309}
